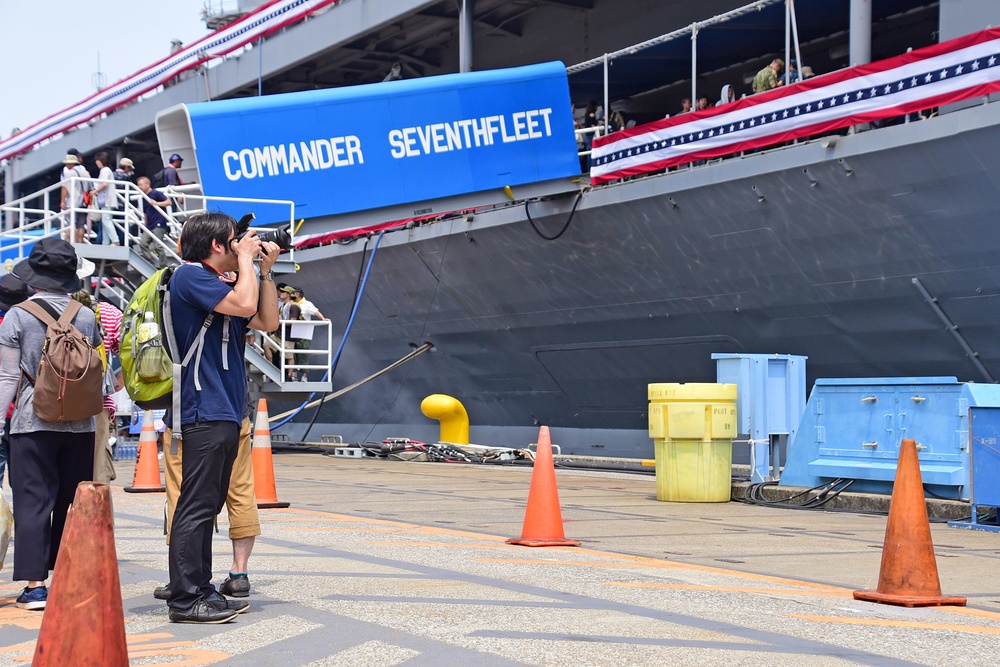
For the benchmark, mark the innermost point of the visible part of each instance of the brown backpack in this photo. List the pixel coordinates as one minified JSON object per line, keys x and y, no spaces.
{"x":70,"y":381}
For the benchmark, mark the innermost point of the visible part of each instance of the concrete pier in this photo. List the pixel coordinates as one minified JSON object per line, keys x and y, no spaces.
{"x":382,"y":562}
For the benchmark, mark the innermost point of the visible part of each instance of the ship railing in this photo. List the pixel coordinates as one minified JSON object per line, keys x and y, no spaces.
{"x":37,"y":216}
{"x":586,"y":135}
{"x":828,"y":138}
{"x":277,"y":348}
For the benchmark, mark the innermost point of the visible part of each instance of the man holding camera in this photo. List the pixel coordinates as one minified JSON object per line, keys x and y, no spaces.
{"x":212,"y":393}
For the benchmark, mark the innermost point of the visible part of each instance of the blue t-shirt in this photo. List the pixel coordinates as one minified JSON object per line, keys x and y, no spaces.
{"x":170,"y":176}
{"x":154,"y":218}
{"x":195,"y":291}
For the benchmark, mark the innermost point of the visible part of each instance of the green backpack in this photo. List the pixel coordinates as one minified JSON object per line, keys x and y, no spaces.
{"x":151,"y":367}
{"x":147,"y":368}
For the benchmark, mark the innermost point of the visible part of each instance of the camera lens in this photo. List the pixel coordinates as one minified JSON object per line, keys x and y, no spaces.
{"x":280,"y":236}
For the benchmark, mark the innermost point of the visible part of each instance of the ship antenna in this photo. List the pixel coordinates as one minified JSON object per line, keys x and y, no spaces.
{"x":98,"y":79}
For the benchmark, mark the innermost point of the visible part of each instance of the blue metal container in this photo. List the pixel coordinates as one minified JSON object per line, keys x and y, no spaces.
{"x":852,"y":429}
{"x":984,"y":469}
{"x":770,"y":400}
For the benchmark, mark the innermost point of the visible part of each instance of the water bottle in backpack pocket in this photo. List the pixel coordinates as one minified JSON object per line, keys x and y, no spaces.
{"x":152,"y":363}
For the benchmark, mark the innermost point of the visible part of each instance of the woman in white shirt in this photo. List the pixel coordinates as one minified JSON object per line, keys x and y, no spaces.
{"x":107,"y":198}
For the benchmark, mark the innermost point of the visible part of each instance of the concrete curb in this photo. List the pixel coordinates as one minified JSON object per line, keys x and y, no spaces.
{"x":940,"y":509}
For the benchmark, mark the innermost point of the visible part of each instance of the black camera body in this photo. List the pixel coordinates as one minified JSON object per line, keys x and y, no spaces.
{"x":281,"y":236}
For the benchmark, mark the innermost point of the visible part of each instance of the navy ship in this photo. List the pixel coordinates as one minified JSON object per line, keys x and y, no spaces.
{"x":868,"y":248}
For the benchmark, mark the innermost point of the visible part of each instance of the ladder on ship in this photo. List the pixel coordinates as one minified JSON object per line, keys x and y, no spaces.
{"x":120,"y":269}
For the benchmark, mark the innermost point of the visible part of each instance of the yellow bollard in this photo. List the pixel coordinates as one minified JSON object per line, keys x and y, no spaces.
{"x":452,"y":415}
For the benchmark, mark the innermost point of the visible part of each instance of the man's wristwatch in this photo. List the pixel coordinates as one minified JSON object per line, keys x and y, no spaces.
{"x":269,"y":276}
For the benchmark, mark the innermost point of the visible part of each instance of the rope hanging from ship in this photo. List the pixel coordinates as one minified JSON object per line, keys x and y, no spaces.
{"x":562,"y":231}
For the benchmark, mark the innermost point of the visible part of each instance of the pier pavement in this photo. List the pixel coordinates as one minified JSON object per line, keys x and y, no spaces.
{"x":387,"y":563}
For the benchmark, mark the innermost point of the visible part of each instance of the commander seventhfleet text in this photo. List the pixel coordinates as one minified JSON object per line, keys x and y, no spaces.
{"x":407,"y":142}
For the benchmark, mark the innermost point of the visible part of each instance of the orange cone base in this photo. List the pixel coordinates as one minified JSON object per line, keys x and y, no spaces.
{"x":529,"y":542}
{"x":271,"y":506}
{"x":909,"y":600}
{"x":145,"y":489}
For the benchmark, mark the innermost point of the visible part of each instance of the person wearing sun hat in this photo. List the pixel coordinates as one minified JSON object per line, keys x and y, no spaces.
{"x":50,"y":458}
{"x":13,"y":291}
{"x":72,"y":193}
{"x":288,"y":311}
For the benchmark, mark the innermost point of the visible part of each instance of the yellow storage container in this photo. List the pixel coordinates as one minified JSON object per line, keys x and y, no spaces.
{"x":692,"y":426}
{"x":692,"y":411}
{"x":694,"y":471}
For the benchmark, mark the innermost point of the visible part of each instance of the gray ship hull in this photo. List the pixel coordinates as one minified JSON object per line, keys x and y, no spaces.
{"x":810,"y":249}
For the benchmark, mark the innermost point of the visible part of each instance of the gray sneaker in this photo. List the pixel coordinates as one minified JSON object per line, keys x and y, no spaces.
{"x":236,"y":585}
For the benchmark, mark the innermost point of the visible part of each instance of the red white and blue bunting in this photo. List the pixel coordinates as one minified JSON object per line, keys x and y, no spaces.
{"x":261,"y":22}
{"x":956,"y":70}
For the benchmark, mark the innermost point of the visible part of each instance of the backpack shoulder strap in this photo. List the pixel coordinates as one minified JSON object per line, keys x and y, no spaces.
{"x":44,"y":313}
{"x":41,"y":310}
{"x":72,"y":308}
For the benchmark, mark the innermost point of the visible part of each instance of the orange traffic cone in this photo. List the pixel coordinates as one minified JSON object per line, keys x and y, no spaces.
{"x":543,"y":526}
{"x":146,"y":478}
{"x":263,"y":464}
{"x":909,"y":575}
{"x":84,"y":623}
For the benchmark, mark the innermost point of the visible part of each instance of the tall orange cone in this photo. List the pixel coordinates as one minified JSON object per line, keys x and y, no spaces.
{"x":909,"y":575}
{"x":84,"y":623}
{"x":146,"y":478}
{"x":263,"y":464}
{"x":543,"y":525}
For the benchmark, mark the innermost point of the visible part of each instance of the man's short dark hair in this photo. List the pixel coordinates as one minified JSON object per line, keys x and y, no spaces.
{"x":199,"y":232}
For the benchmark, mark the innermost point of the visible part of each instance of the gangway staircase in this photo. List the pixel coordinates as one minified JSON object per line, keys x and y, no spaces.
{"x":121,"y":268}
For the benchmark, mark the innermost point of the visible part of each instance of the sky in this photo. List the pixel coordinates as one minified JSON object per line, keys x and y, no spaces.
{"x":51,"y":48}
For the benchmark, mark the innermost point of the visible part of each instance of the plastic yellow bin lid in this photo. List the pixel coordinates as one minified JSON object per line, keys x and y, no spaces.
{"x":692,"y":391}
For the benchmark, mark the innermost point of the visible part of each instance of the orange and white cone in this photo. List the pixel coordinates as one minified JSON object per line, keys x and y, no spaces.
{"x":543,"y":524}
{"x":146,"y":478}
{"x":263,"y":464}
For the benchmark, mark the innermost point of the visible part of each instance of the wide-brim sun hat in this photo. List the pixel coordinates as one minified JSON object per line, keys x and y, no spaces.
{"x":71,"y":159}
{"x":52,"y":266}
{"x":13,"y":291}
{"x":84,"y":267}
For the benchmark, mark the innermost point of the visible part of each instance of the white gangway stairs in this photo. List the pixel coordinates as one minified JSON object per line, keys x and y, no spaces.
{"x":123,"y":267}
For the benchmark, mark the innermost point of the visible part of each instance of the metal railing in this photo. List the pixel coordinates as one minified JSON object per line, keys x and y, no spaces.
{"x":38,"y":216}
{"x":586,"y":135}
{"x":34,"y":219}
{"x":276,"y":349}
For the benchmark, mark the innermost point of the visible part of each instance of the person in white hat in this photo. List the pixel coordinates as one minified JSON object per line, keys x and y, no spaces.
{"x":72,"y":194}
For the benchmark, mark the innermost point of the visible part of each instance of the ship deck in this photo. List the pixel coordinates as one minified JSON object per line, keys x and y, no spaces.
{"x":387,"y":563}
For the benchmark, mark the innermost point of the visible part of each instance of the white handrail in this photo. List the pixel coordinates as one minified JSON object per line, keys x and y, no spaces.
{"x":34,"y":217}
{"x":277,"y":344}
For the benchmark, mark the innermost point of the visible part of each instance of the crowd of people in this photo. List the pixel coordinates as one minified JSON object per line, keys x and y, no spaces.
{"x":768,"y":78}
{"x":207,"y":462}
{"x":298,"y":333}
{"x":92,"y":206}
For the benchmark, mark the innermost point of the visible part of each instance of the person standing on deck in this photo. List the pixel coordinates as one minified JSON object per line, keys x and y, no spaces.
{"x":768,"y":78}
{"x":212,"y":397}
